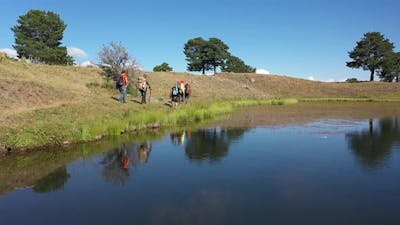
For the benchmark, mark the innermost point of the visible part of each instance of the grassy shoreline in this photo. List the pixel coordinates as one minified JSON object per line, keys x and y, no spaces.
{"x":56,"y":105}
{"x":42,"y":133}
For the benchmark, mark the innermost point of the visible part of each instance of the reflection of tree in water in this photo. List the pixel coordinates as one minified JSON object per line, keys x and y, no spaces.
{"x":53,"y":181}
{"x":211,"y":144}
{"x":373,"y":145}
{"x":117,"y":162}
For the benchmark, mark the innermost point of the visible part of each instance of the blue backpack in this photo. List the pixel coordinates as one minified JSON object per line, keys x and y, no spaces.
{"x":175,"y":90}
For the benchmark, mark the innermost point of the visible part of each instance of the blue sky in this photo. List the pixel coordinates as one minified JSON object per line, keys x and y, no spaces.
{"x":303,"y":39}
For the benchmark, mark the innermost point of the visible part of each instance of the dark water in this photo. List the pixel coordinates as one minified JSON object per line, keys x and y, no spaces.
{"x":330,"y":171}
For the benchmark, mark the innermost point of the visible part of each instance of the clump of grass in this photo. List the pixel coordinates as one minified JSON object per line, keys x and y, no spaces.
{"x":108,"y":85}
{"x":93,"y":84}
{"x":132,"y":91}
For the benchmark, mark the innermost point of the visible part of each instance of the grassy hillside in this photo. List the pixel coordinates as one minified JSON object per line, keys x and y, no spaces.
{"x":42,"y":104}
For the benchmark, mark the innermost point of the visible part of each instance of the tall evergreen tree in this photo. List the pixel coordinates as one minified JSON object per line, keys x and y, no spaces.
{"x":195,"y":51}
{"x":236,"y":65}
{"x":216,"y":53}
{"x":390,"y":67}
{"x":370,"y":52}
{"x":38,"y":37}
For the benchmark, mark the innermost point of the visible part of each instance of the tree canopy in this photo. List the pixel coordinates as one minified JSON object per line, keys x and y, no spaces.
{"x":236,"y":65}
{"x":38,"y":38}
{"x":164,"y":67}
{"x":203,"y":55}
{"x":370,"y":53}
{"x":216,"y":53}
{"x":390,"y":67}
{"x":195,"y":55}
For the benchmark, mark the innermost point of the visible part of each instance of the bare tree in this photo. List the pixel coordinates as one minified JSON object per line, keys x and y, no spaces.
{"x":116,"y":56}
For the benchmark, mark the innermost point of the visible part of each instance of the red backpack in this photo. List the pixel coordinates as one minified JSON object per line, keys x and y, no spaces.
{"x":188,"y":90}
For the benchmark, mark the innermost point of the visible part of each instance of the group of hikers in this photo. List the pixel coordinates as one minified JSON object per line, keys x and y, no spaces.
{"x":122,"y":84}
{"x":180,"y":91}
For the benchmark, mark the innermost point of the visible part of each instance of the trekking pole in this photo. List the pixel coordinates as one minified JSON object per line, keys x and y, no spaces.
{"x":149,"y":95}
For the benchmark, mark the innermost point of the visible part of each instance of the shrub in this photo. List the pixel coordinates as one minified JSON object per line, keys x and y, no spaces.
{"x":352,"y":80}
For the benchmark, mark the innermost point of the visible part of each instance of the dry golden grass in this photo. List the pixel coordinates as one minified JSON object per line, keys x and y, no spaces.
{"x":41,"y":94}
{"x":25,"y":87}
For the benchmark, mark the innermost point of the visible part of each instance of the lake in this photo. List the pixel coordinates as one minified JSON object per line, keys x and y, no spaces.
{"x":302,"y":164}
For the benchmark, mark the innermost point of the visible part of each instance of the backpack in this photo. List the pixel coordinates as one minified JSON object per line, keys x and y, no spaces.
{"x":175,"y":90}
{"x":187,"y":89}
{"x":119,"y":83}
{"x":141,"y":85}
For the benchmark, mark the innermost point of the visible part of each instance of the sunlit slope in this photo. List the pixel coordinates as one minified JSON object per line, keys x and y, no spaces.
{"x":26,"y":87}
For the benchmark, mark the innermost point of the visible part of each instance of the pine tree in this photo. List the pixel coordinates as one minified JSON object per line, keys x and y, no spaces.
{"x":370,"y":52}
{"x":38,"y":37}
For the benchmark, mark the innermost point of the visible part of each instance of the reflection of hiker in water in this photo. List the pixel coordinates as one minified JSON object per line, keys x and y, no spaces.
{"x":174,"y":138}
{"x":125,"y":159}
{"x":144,"y":151}
{"x":179,"y":138}
{"x":116,"y":165}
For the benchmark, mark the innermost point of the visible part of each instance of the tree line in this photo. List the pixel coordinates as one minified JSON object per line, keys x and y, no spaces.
{"x":38,"y":36}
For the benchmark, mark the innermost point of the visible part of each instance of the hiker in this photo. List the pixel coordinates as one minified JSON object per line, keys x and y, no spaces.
{"x":188,"y":92}
{"x":143,"y":86}
{"x":122,"y":84}
{"x":175,"y":95}
{"x":181,"y":85}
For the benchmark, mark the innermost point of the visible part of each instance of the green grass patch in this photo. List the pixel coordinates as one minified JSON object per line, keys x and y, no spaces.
{"x":89,"y":124}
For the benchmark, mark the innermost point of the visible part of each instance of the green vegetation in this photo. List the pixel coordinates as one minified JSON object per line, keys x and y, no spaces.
{"x":373,"y":53}
{"x":236,"y":65}
{"x":203,"y":55}
{"x":352,"y":80}
{"x":164,"y":67}
{"x":37,"y":38}
{"x":60,"y":129}
{"x":391,"y":67}
{"x":50,"y":104}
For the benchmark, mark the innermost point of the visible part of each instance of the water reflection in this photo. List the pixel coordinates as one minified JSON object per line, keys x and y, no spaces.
{"x":53,"y":181}
{"x":118,"y":161}
{"x":179,"y":138}
{"x":373,"y":145}
{"x":211,"y":144}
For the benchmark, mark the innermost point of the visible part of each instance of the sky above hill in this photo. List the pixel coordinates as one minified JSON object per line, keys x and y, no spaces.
{"x":307,"y":39}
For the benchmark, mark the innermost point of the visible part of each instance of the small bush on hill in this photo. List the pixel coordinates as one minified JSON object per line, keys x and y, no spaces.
{"x":352,"y":80}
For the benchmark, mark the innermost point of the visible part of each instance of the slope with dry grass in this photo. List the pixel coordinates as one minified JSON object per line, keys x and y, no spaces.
{"x":50,"y":99}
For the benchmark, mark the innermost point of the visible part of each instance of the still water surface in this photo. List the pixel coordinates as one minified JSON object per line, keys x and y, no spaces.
{"x":328,"y":171}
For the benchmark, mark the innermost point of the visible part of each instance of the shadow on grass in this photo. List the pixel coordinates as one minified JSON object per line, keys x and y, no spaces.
{"x":136,"y":101}
{"x":115,"y":98}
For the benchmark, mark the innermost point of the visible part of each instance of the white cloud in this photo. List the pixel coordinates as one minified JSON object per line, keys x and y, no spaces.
{"x":310,"y":78}
{"x":77,"y":52}
{"x":327,"y":80}
{"x":12,"y":53}
{"x":86,"y":64}
{"x":262,"y":71}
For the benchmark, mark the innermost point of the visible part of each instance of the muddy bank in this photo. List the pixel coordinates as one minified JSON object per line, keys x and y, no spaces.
{"x":280,"y":115}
